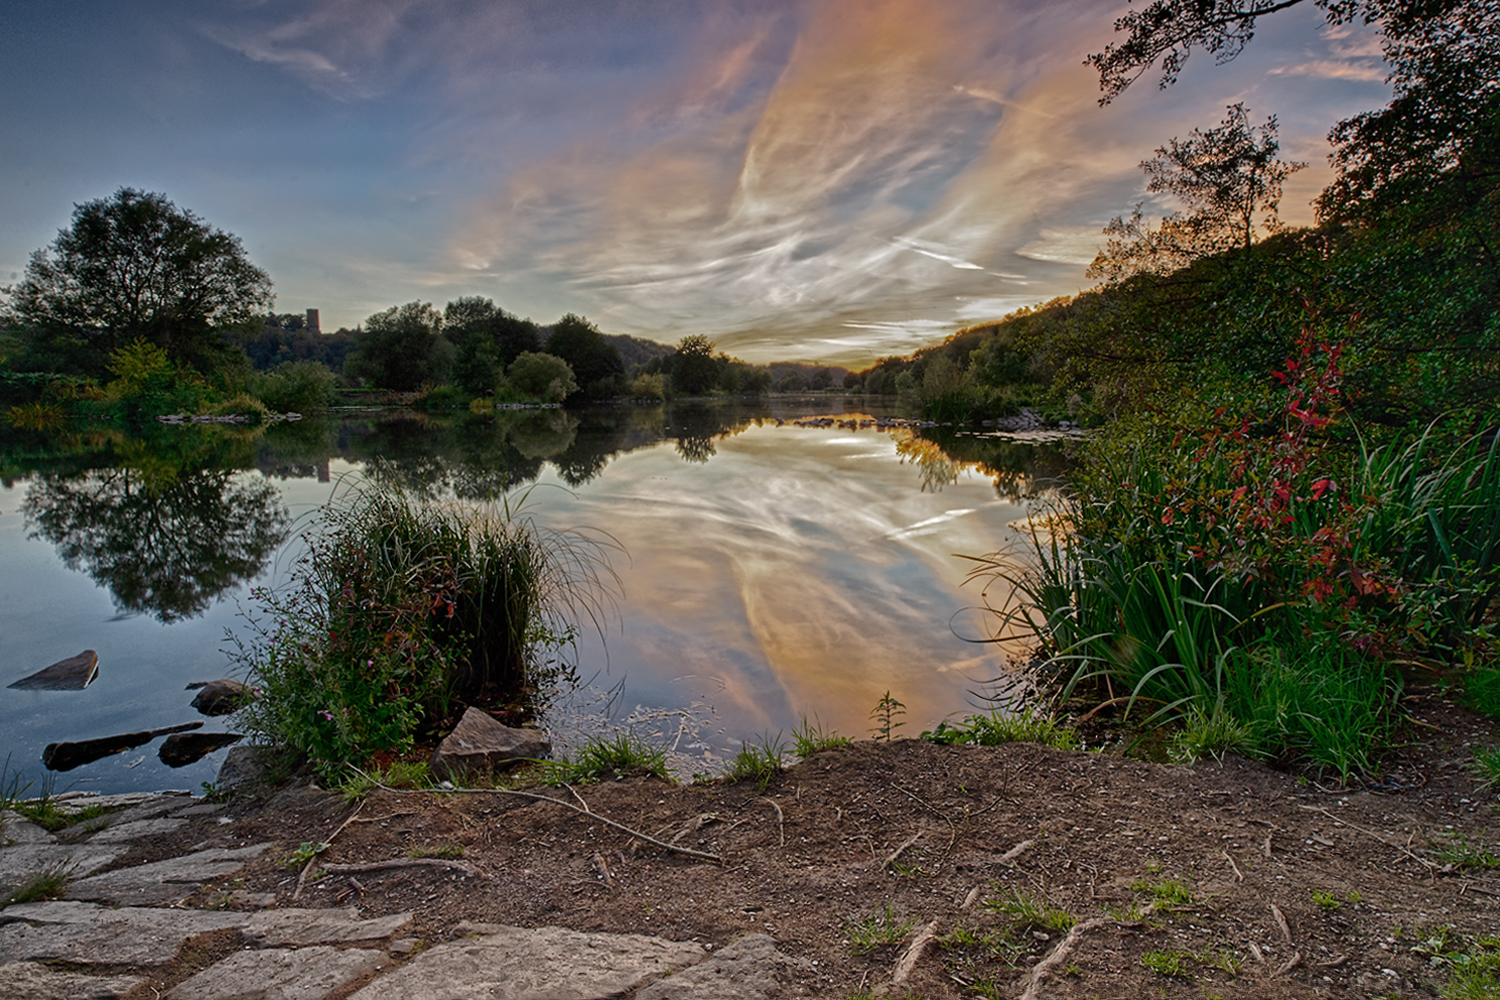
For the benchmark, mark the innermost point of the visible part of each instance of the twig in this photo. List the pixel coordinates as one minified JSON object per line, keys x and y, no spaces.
{"x":578,"y":797}
{"x":1237,"y":873}
{"x":780,"y":819}
{"x":1289,"y":964}
{"x":913,"y":954}
{"x":1286,"y":930}
{"x":602,"y":867}
{"x":704,"y":855}
{"x":1255,"y":950}
{"x":312,"y":861}
{"x":1059,"y":955}
{"x":970,"y":898}
{"x":891,"y":857}
{"x":1373,"y":833}
{"x":1268,"y":845}
{"x":1015,"y":852}
{"x":1334,"y":962}
{"x":380,"y":866}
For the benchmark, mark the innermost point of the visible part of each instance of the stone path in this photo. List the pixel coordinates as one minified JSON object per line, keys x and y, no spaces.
{"x":115,"y":925}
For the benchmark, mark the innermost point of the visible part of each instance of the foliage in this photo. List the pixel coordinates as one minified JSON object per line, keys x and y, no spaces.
{"x":648,"y":387}
{"x":1486,"y":767}
{"x":488,"y":339}
{"x":694,"y":371}
{"x":1166,"y":893}
{"x":1482,"y":691}
{"x":542,"y":376}
{"x":613,"y":758}
{"x":399,"y":608}
{"x":809,"y":738}
{"x":297,"y":387}
{"x":885,"y":712}
{"x":136,"y":267}
{"x":1031,"y":911}
{"x":879,"y":930}
{"x":994,"y":728}
{"x":1167,"y":962}
{"x":1459,"y":853}
{"x":595,"y":361}
{"x":148,"y":382}
{"x":759,"y":763}
{"x":48,"y":883}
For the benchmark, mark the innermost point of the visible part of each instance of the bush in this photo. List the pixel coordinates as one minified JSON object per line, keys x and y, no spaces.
{"x":542,"y":376}
{"x":297,"y":387}
{"x":398,"y":610}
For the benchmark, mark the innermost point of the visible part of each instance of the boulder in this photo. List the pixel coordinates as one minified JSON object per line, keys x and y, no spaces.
{"x":182,"y":749}
{"x":243,"y":766}
{"x":219,"y":697}
{"x":479,"y":745}
{"x":67,"y":755}
{"x":73,"y":674}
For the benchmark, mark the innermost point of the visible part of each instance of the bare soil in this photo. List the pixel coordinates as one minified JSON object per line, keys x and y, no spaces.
{"x":1284,"y":888}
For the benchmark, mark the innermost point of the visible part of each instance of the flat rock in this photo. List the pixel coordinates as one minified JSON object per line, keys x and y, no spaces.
{"x":73,"y":674}
{"x":220,"y":697}
{"x":90,"y":934}
{"x":162,"y":882}
{"x":243,"y":765}
{"x":280,"y":974}
{"x":543,"y":963}
{"x":479,"y":745}
{"x":182,"y":749}
{"x":120,"y":833}
{"x":749,"y":969}
{"x":17,"y":829}
{"x":68,"y":754}
{"x":21,"y":860}
{"x":37,"y":982}
{"x":152,"y":807}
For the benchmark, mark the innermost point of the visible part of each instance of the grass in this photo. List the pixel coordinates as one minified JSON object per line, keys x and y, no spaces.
{"x":1168,"y":962}
{"x":607,"y":758}
{"x":1459,"y":853}
{"x":758,"y":762}
{"x":1212,"y":735}
{"x":1486,"y":767}
{"x":402,"y":606}
{"x":880,"y":930}
{"x":1165,"y":893}
{"x":1326,"y":900}
{"x":1032,"y":911}
{"x":808,"y":738}
{"x":407,"y":774}
{"x":993,"y":728}
{"x":49,"y":883}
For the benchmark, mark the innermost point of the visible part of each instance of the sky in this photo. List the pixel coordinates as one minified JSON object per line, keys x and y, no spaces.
{"x":815,"y":180}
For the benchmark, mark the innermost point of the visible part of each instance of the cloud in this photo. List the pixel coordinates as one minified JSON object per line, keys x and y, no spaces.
{"x":1078,"y":245}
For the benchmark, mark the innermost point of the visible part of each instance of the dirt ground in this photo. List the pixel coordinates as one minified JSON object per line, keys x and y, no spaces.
{"x":1216,"y":880}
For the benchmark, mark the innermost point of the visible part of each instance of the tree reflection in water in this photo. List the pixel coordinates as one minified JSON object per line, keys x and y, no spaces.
{"x":162,"y":545}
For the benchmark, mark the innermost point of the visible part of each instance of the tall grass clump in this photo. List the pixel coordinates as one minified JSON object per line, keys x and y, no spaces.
{"x":401,"y":610}
{"x":1264,"y":578}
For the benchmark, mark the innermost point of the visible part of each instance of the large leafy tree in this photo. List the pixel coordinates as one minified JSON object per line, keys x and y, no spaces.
{"x":399,"y":348}
{"x":595,"y":362}
{"x":694,"y":370}
{"x":487,"y":339}
{"x":134,"y":266}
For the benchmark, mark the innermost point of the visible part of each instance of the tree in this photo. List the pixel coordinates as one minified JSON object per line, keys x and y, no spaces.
{"x":595,"y":362}
{"x":1228,"y":177}
{"x":397,"y":349}
{"x":134,"y":266}
{"x":509,"y":335}
{"x":543,"y":376}
{"x":694,"y":370}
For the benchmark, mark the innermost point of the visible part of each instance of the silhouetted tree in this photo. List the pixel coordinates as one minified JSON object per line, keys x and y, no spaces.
{"x":595,"y":362}
{"x":398,"y":348}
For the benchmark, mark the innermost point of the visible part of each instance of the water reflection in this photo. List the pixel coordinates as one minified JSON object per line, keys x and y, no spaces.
{"x":163,"y":545}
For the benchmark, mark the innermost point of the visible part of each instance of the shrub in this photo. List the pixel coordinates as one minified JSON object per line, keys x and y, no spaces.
{"x":397,"y":610}
{"x":297,"y":387}
{"x":542,"y":376}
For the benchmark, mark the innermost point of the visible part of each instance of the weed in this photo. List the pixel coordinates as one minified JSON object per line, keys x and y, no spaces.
{"x":1126,"y":913}
{"x":1486,"y":767}
{"x":881,"y":929}
{"x":405,"y":774}
{"x":1353,"y":896}
{"x":1459,"y":853}
{"x":759,"y":763}
{"x":1218,"y":958}
{"x":602,"y":757}
{"x":1166,"y":894}
{"x":886,"y":710}
{"x":1167,"y":962}
{"x":11,"y":789}
{"x":49,"y":883}
{"x":1326,"y":900}
{"x":1211,"y":735}
{"x":1032,"y":911}
{"x":304,"y":853}
{"x":448,"y":850}
{"x":809,"y":738}
{"x":993,"y":729}
{"x":217,"y":793}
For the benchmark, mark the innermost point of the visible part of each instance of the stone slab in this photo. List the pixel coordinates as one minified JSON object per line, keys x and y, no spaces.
{"x":21,"y":860}
{"x":479,"y":745}
{"x":17,"y":829}
{"x":220,"y":697}
{"x":280,"y":974}
{"x":90,"y":934}
{"x":748,"y":969}
{"x":163,"y":882}
{"x":543,"y":963}
{"x":37,"y":982}
{"x":119,"y":833}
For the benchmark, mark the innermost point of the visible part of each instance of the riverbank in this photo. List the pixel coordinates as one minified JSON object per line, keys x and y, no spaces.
{"x":963,"y":871}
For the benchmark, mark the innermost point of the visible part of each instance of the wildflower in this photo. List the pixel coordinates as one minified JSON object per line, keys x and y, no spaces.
{"x":326,"y":714}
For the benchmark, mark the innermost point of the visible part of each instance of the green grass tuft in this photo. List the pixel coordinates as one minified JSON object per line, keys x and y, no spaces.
{"x":880,"y":930}
{"x":809,"y":738}
{"x":1032,"y":911}
{"x":607,"y":758}
{"x":758,"y":762}
{"x":49,"y":883}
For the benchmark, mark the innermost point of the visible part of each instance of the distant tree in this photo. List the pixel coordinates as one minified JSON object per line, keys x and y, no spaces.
{"x":1229,"y":177}
{"x":542,"y":376}
{"x":595,"y":362}
{"x":131,"y":267}
{"x":397,"y":349}
{"x":694,"y":370}
{"x":471,"y":317}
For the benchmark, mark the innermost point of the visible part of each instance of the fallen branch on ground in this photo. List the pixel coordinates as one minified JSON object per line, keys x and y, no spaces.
{"x":1060,"y":954}
{"x":307,"y":868}
{"x":912,"y":956}
{"x":380,"y":866}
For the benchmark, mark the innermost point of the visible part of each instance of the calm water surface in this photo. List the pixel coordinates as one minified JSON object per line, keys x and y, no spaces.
{"x":767,"y":572}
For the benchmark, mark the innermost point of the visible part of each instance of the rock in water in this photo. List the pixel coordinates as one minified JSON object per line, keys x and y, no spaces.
{"x":479,"y":744}
{"x":73,"y":674}
{"x":66,"y":756}
{"x":182,"y":749}
{"x":219,"y":697}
